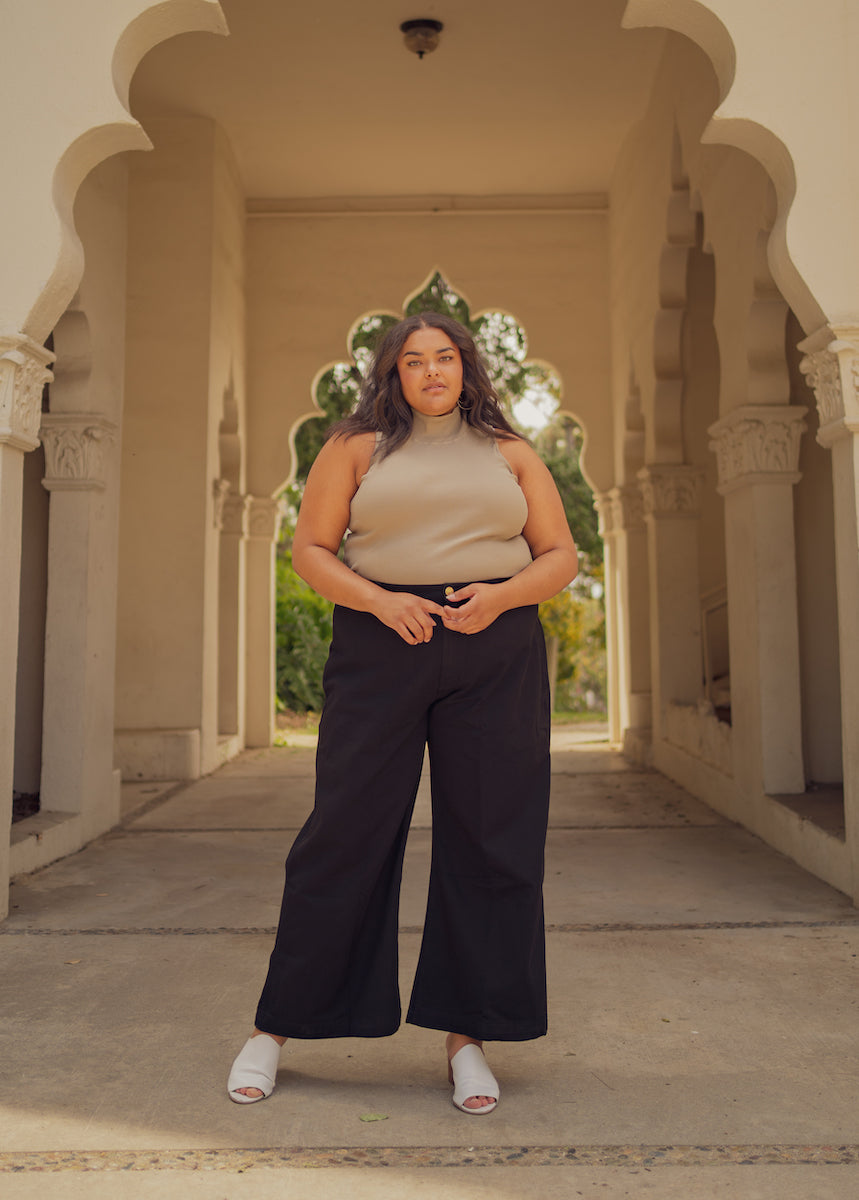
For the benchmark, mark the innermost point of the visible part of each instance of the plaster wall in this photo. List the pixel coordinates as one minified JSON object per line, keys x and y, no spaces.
{"x":185,"y":352}
{"x":311,"y":277}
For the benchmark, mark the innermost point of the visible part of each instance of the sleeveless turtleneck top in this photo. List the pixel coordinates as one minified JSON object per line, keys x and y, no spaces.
{"x":443,"y":507}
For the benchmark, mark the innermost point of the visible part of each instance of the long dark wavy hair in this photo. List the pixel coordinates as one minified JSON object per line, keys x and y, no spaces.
{"x":382,"y":407}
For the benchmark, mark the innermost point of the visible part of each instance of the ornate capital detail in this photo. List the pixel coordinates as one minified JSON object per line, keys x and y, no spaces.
{"x":628,"y":504}
{"x":234,"y":520}
{"x":220,"y":491}
{"x":758,"y":443}
{"x":605,"y":512}
{"x":670,"y":490}
{"x":74,"y":451}
{"x":823,"y":373}
{"x":264,"y":518}
{"x":831,"y":367}
{"x":23,"y":374}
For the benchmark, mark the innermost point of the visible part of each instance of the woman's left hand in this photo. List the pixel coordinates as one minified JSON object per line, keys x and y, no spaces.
{"x":483,"y":605}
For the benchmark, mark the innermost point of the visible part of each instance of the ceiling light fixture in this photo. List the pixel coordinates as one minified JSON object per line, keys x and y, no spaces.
{"x":421,"y":35}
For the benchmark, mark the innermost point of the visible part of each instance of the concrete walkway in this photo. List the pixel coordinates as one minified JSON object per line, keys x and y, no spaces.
{"x":704,"y":1014}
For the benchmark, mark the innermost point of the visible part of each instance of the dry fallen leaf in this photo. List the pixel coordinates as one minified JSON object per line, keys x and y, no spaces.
{"x":70,"y":962}
{"x":373,"y":1117}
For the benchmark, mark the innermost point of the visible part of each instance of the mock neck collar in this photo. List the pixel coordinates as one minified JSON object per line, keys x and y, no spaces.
{"x":443,"y":427}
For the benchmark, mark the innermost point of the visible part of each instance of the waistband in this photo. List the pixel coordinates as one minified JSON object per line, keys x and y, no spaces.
{"x":434,"y":591}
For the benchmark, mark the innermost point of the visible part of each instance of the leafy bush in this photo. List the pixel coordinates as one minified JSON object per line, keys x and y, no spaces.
{"x":303,"y":634}
{"x":575,"y":621}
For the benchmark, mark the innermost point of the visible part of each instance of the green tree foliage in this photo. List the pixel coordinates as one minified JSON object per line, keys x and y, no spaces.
{"x":560,"y":446}
{"x":303,"y":636}
{"x":575,"y":620}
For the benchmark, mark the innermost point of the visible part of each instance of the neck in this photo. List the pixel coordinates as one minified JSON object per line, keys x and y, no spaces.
{"x":443,"y":426}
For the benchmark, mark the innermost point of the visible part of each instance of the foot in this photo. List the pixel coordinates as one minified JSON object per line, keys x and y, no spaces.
{"x":242,"y":1065}
{"x":474,"y":1070}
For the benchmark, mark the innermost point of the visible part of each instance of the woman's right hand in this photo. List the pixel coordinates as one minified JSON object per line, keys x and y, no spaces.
{"x":408,"y":615}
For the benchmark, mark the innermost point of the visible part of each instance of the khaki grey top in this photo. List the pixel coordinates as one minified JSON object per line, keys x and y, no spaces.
{"x":445,"y":507}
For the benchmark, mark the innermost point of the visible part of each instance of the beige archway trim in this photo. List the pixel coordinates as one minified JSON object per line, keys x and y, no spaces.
{"x":728,"y":126}
{"x":696,"y":21}
{"x":111,"y":129}
{"x":664,"y":433}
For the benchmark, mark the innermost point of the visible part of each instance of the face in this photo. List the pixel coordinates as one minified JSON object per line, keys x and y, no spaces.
{"x":430,"y":371}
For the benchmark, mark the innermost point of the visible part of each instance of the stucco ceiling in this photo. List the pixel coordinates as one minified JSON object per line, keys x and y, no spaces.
{"x":322,"y":99}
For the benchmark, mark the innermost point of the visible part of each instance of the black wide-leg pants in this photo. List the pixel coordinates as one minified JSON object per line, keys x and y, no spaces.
{"x":480,"y":702}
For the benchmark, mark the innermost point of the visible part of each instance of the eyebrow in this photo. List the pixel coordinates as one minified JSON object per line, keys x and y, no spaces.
{"x":420,"y":353}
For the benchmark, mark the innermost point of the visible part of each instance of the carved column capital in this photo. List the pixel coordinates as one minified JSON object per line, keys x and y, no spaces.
{"x":628,"y":504}
{"x":831,"y":367}
{"x":670,"y":490}
{"x":235,"y":516}
{"x":605,"y":512}
{"x":74,"y":451}
{"x":758,"y":443}
{"x":264,"y":517}
{"x":23,"y":374}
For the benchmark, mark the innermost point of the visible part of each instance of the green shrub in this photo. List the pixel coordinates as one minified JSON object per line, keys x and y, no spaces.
{"x":303,"y":636}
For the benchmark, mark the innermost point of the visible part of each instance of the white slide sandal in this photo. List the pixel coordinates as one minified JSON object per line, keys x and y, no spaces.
{"x":255,"y":1066}
{"x":470,"y":1075}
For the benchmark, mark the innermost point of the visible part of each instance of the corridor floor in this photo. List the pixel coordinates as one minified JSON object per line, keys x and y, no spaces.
{"x":704,"y":1013}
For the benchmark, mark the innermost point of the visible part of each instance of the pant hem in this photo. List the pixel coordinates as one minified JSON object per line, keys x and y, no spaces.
{"x":489,"y":1031}
{"x":318,"y":1032}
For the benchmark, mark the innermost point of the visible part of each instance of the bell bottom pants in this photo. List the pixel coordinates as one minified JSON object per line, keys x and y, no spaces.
{"x":480,"y":703}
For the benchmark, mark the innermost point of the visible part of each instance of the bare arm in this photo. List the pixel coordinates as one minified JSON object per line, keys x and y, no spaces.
{"x":555,"y":561}
{"x":322,"y":521}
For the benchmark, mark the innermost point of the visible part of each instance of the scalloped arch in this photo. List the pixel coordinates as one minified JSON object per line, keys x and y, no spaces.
{"x":117,"y":130}
{"x":698,"y":22}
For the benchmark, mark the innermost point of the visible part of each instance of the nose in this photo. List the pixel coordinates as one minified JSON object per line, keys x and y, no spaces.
{"x":432,"y":368}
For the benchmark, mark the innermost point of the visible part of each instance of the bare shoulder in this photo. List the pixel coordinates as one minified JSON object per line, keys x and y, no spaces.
{"x":348,"y":457}
{"x":522,"y":459}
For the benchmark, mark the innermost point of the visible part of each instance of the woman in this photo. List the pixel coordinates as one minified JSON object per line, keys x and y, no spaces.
{"x":456,"y":533}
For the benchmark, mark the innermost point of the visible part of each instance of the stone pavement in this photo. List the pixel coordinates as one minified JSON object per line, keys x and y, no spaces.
{"x":704,"y":1014}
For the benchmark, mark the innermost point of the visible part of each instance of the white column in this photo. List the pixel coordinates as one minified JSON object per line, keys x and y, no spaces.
{"x":23,"y":374}
{"x":833,"y":372}
{"x":634,"y":623}
{"x":263,"y":527}
{"x":613,"y":613}
{"x":671,"y":502}
{"x":757,"y":448}
{"x":232,"y":616}
{"x":77,"y":724}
